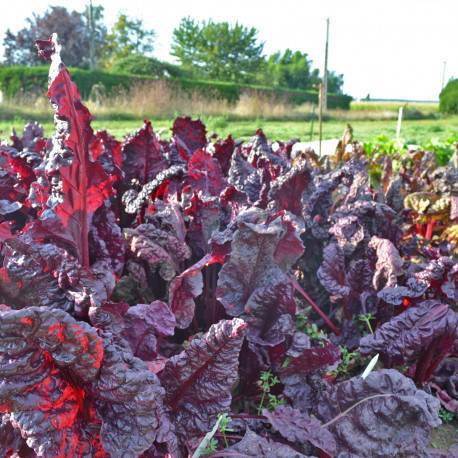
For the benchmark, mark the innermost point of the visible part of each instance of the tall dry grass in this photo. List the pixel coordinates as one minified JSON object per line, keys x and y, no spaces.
{"x":157,"y":99}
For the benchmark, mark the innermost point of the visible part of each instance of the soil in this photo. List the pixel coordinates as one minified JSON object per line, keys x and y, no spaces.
{"x":444,"y":436}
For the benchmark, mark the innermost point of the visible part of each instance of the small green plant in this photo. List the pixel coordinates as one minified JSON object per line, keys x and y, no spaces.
{"x":224,"y":420}
{"x":367,"y":319}
{"x":211,"y":446}
{"x":267,"y":382}
{"x":274,"y":402}
{"x":310,"y":329}
{"x":446,"y":415}
{"x":346,"y":357}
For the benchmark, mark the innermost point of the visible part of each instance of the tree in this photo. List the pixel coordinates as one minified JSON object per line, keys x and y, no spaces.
{"x":218,"y":51}
{"x":335,"y":83}
{"x":128,"y":37}
{"x":290,"y":70}
{"x":73,"y":35}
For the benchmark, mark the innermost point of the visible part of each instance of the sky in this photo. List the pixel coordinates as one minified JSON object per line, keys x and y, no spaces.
{"x":389,"y":49}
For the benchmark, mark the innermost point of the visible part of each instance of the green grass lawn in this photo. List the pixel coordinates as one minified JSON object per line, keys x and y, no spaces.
{"x":415,"y":131}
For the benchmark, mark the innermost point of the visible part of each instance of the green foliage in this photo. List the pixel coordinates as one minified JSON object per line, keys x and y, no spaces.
{"x":267,"y":381}
{"x":290,"y":70}
{"x":347,"y":358}
{"x":367,"y":319}
{"x":139,"y":64}
{"x":310,"y":329}
{"x":217,"y":50}
{"x":224,"y":420}
{"x":211,"y":446}
{"x":449,"y":98}
{"x":128,"y":37}
{"x":444,"y":149}
{"x":446,"y":415}
{"x":34,"y":79}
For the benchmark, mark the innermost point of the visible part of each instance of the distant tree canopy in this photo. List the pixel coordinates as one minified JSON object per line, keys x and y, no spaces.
{"x":205,"y":50}
{"x":77,"y":32}
{"x":218,"y":51}
{"x":128,"y":37}
{"x":71,"y":28}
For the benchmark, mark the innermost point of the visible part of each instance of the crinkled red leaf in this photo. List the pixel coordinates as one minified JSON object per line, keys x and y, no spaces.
{"x":85,"y":184}
{"x":205,"y":175}
{"x":223,"y":150}
{"x":349,"y":232}
{"x":297,"y":426}
{"x":204,"y":213}
{"x":382,"y":415}
{"x":128,"y":399}
{"x":141,"y":156}
{"x":44,"y":352}
{"x":198,"y":382}
{"x":107,"y":151}
{"x":42,"y":274}
{"x":189,"y":135}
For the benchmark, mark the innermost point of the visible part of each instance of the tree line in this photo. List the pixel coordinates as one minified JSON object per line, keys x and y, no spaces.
{"x":204,"y":50}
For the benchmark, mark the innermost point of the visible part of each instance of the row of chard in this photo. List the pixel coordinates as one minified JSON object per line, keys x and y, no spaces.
{"x":147,"y":283}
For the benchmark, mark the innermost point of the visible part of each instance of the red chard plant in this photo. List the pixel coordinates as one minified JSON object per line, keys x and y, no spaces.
{"x":198,"y":297}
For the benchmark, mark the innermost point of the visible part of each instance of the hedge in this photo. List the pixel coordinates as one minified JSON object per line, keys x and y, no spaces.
{"x":448,"y":98}
{"x":15,"y":79}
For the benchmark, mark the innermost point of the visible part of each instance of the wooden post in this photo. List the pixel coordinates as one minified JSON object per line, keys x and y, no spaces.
{"x":320,"y":115}
{"x":398,"y":130}
{"x":313,"y":119}
{"x":325,"y":74}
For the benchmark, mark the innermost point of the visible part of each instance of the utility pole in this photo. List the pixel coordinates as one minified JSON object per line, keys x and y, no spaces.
{"x":324,"y":98}
{"x":443,"y":75}
{"x":91,"y":36}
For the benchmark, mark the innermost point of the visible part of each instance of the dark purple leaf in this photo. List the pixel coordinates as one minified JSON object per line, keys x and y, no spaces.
{"x":256,"y":446}
{"x":105,"y":238}
{"x":268,"y":312}
{"x":332,"y":271}
{"x":389,"y":263}
{"x":142,"y":160}
{"x":143,"y":322}
{"x":184,"y":289}
{"x":128,"y":399}
{"x":348,"y":232}
{"x":158,"y":247}
{"x":205,"y":219}
{"x":189,"y":135}
{"x":42,"y":274}
{"x":382,"y":415}
{"x":205,"y":175}
{"x":294,"y":425}
{"x":287,"y":190}
{"x":290,"y":248}
{"x":198,"y":382}
{"x":251,"y":265}
{"x":399,"y":339}
{"x":239,"y":171}
{"x":223,"y":150}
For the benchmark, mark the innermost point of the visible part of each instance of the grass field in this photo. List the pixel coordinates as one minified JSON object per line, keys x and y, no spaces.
{"x":415,"y":131}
